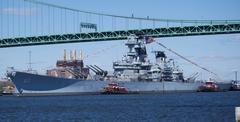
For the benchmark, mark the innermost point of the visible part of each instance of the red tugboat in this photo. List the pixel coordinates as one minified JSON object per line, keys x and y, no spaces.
{"x":114,"y":88}
{"x":209,"y":86}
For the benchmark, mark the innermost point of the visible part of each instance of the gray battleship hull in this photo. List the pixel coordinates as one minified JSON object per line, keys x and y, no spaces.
{"x":33,"y":84}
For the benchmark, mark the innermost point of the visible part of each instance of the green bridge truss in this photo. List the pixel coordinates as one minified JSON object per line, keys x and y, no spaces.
{"x":210,"y":29}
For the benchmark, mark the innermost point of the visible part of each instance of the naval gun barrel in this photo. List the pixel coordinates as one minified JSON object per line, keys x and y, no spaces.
{"x":92,"y":69}
{"x":103,"y":71}
{"x":96,"y":68}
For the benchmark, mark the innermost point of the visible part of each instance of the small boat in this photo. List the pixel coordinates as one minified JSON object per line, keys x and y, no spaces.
{"x":235,"y":86}
{"x":114,"y":88}
{"x":235,"y":83}
{"x":208,"y":86}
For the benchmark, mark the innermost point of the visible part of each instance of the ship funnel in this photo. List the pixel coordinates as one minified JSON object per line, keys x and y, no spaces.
{"x":64,"y":55}
{"x":160,"y":56}
{"x":75,"y":55}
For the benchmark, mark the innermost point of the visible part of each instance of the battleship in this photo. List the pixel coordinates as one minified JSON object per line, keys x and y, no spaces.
{"x":134,"y":71}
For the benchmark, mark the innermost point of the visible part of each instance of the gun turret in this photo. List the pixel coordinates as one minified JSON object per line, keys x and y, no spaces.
{"x":103,"y":71}
{"x":92,"y":69}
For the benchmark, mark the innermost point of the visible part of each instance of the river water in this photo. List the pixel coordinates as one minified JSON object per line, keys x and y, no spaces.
{"x":181,"y":107}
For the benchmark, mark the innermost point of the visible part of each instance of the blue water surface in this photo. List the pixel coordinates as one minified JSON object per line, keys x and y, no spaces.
{"x":169,"y":107}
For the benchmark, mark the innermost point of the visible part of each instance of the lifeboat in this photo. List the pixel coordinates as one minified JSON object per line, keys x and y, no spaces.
{"x":208,"y":86}
{"x":114,"y":88}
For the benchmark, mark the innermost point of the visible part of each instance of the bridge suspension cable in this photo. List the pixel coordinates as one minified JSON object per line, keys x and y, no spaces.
{"x":136,"y":18}
{"x":52,"y":24}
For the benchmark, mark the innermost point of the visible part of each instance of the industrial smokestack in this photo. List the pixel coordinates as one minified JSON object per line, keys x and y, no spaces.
{"x":81,"y":55}
{"x":70,"y":55}
{"x":64,"y":55}
{"x":75,"y":55}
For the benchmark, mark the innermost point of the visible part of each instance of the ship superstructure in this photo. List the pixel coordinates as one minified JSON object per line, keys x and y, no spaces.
{"x":165,"y":70}
{"x":135,"y":65}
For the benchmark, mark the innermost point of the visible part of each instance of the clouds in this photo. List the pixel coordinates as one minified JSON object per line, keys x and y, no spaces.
{"x":19,"y":11}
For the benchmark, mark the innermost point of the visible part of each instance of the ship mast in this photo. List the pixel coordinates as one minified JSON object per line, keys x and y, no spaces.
{"x":236,"y":73}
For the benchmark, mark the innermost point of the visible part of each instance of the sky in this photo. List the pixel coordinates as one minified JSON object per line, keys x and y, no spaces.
{"x":218,"y":53}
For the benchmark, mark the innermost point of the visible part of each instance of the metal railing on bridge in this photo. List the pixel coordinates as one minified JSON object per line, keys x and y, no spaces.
{"x":50,"y":25}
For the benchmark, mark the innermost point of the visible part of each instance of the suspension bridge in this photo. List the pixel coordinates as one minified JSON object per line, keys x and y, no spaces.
{"x":32,"y":22}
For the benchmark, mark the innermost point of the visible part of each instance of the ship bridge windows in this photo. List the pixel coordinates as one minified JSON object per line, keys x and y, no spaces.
{"x":145,"y":67}
{"x":136,"y":71}
{"x":156,"y":71}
